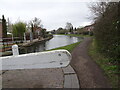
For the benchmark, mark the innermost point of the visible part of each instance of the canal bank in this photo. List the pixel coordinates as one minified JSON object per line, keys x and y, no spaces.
{"x":68,"y":47}
{"x":48,"y":78}
{"x":71,"y":46}
{"x":30,"y":43}
{"x":27,"y":44}
{"x":55,"y":42}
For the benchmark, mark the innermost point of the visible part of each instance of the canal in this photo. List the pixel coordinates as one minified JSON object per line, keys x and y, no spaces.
{"x":55,"y":42}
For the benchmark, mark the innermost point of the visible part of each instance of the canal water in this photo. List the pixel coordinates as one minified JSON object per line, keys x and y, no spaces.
{"x":55,"y":42}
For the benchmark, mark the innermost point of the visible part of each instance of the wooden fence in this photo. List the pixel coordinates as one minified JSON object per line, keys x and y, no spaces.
{"x":6,"y":43}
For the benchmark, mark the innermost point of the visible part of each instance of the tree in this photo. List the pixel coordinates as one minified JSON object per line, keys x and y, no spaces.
{"x":75,"y":29}
{"x":4,"y":27}
{"x":71,"y":30}
{"x":118,"y":22}
{"x":19,"y":29}
{"x":9,"y":26}
{"x":35,"y":24}
{"x":106,"y":30}
{"x":69,"y":27}
{"x":80,"y":30}
{"x":43,"y":33}
{"x":98,"y":9}
{"x":60,"y":28}
{"x":32,"y":28}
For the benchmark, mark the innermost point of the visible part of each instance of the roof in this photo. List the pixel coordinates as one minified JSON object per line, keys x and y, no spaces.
{"x":89,"y":25}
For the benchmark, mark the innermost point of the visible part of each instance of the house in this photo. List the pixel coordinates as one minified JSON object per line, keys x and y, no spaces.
{"x":89,"y":28}
{"x":37,"y":32}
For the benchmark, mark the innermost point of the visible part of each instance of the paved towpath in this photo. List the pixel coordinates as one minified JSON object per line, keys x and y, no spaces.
{"x":89,"y":73}
{"x":33,"y":78}
{"x":40,"y":78}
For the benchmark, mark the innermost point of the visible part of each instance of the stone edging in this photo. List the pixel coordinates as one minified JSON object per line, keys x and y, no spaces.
{"x":70,"y":78}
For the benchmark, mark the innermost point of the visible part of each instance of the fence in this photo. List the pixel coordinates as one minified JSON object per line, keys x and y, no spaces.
{"x":6,"y":43}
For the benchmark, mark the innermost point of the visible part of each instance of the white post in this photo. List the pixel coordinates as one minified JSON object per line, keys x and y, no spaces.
{"x":15,"y":50}
{"x":24,"y":37}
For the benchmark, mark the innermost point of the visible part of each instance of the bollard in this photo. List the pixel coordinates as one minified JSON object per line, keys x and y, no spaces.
{"x":15,"y":50}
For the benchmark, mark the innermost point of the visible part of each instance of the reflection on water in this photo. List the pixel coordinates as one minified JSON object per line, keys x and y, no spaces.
{"x":56,"y":41}
{"x":60,"y":40}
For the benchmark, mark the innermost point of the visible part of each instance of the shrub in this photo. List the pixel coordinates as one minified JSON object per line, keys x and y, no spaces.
{"x":107,"y":32}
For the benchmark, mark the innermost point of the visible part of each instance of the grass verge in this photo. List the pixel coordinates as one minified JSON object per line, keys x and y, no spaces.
{"x":71,"y":46}
{"x":110,"y":70}
{"x":75,"y":35}
{"x":68,"y":47}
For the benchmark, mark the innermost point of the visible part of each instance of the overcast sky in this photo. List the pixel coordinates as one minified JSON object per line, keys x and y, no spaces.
{"x":53,"y":13}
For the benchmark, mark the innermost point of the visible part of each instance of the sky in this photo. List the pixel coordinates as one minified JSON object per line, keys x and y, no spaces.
{"x":53,"y":13}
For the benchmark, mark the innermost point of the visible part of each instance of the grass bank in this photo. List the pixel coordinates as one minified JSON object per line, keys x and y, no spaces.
{"x":75,"y":35}
{"x":71,"y":46}
{"x":68,"y":47}
{"x":110,"y":70}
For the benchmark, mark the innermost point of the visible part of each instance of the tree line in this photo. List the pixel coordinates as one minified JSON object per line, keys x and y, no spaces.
{"x":19,"y":28}
{"x":69,"y":29}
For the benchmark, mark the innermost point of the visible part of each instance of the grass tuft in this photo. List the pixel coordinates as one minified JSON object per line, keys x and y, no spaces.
{"x":110,"y":70}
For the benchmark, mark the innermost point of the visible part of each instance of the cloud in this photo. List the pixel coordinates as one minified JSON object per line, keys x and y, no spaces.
{"x":53,"y":14}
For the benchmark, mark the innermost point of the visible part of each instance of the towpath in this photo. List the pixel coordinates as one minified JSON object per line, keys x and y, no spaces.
{"x":89,"y":73}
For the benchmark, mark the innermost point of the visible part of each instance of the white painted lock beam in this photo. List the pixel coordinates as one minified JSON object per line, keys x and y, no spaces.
{"x":49,"y":59}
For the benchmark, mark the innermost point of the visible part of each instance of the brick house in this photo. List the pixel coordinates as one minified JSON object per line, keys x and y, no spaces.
{"x":37,"y":31}
{"x":89,"y":28}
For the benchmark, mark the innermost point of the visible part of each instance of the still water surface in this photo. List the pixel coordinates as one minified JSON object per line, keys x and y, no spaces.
{"x":55,"y":42}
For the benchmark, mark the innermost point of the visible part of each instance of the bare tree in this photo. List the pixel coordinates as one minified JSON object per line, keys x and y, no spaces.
{"x":98,"y":9}
{"x":36,"y":22}
{"x":9,"y":26}
{"x":68,"y":25}
{"x":34,"y":25}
